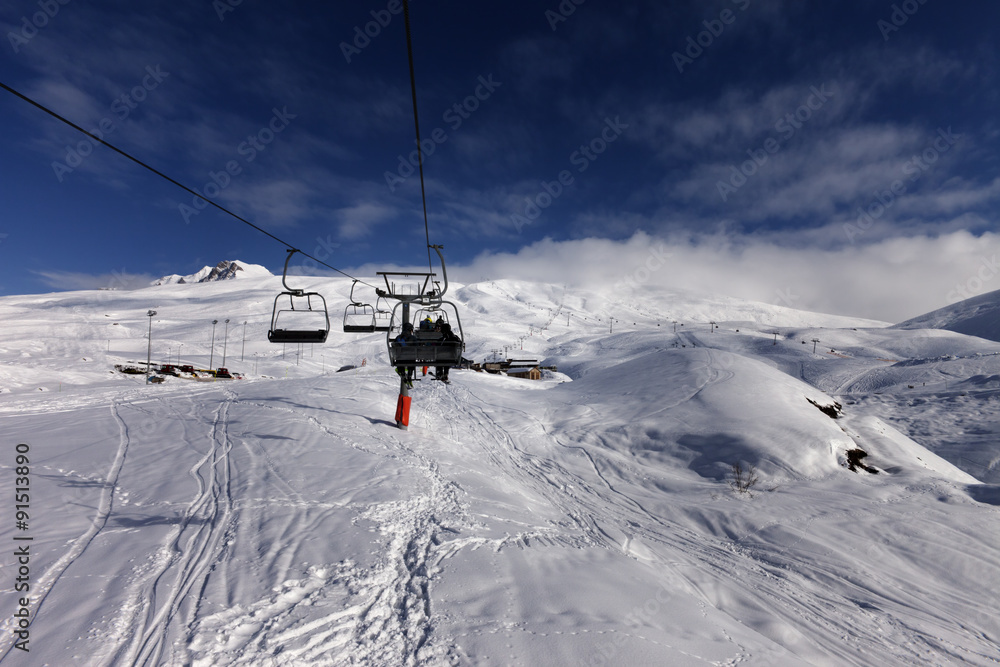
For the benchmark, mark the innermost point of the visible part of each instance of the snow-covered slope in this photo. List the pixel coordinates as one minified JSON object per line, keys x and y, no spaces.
{"x":224,"y":270}
{"x":978,"y":316}
{"x":586,"y":519}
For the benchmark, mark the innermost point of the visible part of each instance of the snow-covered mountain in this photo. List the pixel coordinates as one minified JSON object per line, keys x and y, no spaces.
{"x":589,"y":518}
{"x":977,"y":316}
{"x":224,"y":270}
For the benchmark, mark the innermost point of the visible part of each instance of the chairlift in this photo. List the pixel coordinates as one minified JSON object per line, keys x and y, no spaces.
{"x":359,"y":317}
{"x":422,"y":347}
{"x":301,"y":317}
{"x":434,"y":313}
{"x":383,"y":316}
{"x":425,"y":347}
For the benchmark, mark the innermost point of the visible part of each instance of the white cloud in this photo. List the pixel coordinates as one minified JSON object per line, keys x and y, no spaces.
{"x":361,"y":219}
{"x":278,"y":203}
{"x":70,"y":280}
{"x":889,"y":280}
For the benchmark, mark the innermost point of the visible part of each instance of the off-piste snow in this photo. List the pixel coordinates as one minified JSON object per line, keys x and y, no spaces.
{"x":588,"y":518}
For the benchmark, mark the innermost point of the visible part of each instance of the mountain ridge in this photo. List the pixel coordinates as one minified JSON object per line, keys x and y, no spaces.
{"x":224,"y":270}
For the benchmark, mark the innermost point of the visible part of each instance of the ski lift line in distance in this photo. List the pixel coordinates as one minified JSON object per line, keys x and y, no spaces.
{"x":173,"y":181}
{"x":300,"y":334}
{"x":359,"y":317}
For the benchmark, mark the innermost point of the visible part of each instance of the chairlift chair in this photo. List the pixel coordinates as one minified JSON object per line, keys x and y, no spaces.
{"x":423,"y":348}
{"x":359,"y":317}
{"x":383,"y":317}
{"x":318,"y":316}
{"x":426,"y":348}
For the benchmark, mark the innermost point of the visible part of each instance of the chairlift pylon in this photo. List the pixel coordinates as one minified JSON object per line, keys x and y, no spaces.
{"x":299,"y":334}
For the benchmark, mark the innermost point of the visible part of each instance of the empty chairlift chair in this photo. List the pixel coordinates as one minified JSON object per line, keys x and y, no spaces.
{"x":359,"y":317}
{"x":383,"y":317}
{"x":302,"y":321}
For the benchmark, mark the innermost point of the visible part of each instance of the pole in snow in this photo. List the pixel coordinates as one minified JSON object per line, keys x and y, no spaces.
{"x":211,"y":358}
{"x":225,"y":340}
{"x":403,"y":402}
{"x":149,"y":346}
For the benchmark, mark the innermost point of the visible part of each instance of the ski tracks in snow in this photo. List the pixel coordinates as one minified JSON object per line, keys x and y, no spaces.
{"x":52,"y":575}
{"x":351,"y":614}
{"x":775,"y":582}
{"x":170,"y":589}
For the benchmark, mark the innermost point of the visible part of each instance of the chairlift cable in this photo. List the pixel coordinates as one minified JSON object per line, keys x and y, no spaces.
{"x":416,"y":123}
{"x":168,"y":178}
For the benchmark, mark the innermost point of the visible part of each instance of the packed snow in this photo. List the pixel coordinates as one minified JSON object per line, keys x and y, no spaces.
{"x":588,"y":518}
{"x":976,"y":316}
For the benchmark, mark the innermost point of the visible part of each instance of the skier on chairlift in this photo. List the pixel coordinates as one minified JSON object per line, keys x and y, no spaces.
{"x":441,"y":372}
{"x":405,"y":338}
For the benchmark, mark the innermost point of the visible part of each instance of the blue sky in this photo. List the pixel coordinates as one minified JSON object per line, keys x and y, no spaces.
{"x":828,"y":156}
